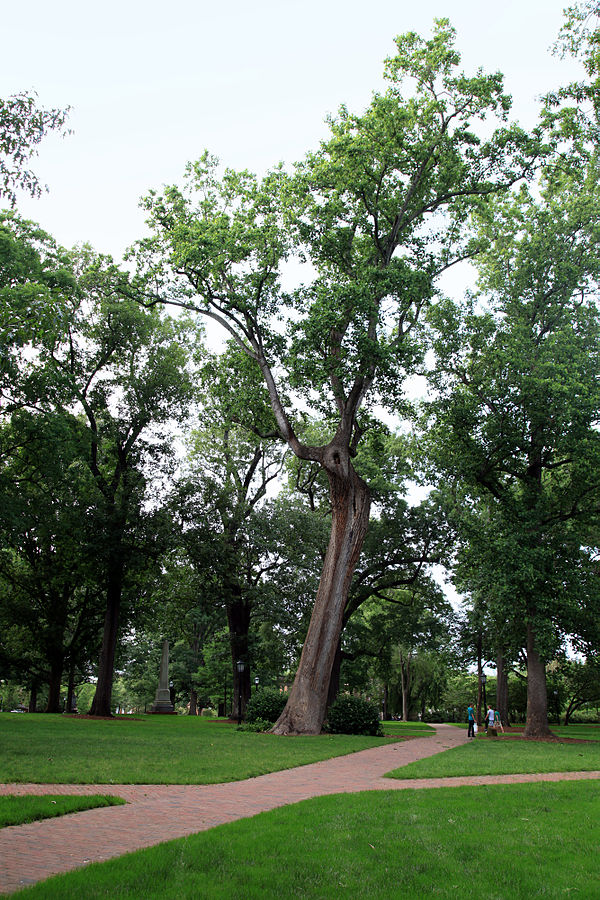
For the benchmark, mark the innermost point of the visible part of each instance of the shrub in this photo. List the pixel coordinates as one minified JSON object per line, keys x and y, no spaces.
{"x":353,"y":715}
{"x":266,"y":704}
{"x":258,"y":725}
{"x":436,"y":717}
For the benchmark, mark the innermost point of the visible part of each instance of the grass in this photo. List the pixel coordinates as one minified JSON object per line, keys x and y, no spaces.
{"x":581,"y":732}
{"x":407,"y":729}
{"x":507,"y":756}
{"x":506,"y":841}
{"x":152,"y":750}
{"x":20,"y":810}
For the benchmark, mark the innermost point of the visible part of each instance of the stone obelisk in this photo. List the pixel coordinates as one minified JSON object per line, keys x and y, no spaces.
{"x":162,"y":701}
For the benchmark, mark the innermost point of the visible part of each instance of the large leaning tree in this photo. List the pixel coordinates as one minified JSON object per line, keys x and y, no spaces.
{"x":378,"y":212}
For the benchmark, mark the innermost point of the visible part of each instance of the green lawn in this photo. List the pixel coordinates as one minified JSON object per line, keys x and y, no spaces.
{"x":581,"y":732}
{"x":407,"y":729}
{"x":152,"y":750}
{"x":505,"y":756}
{"x":19,"y":810}
{"x":503,"y":842}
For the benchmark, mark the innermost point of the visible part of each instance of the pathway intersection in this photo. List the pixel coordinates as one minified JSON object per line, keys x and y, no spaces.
{"x":156,"y":813}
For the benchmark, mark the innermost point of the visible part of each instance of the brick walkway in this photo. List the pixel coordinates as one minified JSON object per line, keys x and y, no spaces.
{"x":156,"y":813}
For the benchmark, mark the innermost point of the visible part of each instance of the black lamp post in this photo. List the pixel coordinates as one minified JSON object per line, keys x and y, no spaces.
{"x":483,"y":681}
{"x":240,"y":666}
{"x":256,"y":680}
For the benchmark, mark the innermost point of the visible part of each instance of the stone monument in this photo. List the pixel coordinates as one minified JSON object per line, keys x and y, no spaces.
{"x":162,"y":701}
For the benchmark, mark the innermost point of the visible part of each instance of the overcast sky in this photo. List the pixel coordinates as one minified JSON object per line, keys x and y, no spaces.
{"x":151,"y":85}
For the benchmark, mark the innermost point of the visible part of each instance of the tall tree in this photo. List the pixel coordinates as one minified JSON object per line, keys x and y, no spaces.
{"x":399,"y":630}
{"x":516,"y":419}
{"x":358,"y":210}
{"x":235,"y":461}
{"x":45,"y":546}
{"x":78,"y":345}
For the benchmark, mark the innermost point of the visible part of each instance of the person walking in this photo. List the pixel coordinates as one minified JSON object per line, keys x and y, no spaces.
{"x":471,"y":722}
{"x":489,"y":718}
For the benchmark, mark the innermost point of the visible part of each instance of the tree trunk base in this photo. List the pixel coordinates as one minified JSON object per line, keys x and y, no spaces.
{"x":287,"y":730}
{"x":292,"y":725}
{"x":537,"y":733}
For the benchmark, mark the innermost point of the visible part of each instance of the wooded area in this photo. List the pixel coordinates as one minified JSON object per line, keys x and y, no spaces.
{"x":289,"y":498}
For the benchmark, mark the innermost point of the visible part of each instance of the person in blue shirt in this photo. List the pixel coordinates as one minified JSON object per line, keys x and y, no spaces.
{"x":471,"y":721}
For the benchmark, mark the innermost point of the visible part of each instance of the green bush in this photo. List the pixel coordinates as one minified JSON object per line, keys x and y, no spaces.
{"x":584,"y":717}
{"x":266,"y":704}
{"x":258,"y":725}
{"x":353,"y":715}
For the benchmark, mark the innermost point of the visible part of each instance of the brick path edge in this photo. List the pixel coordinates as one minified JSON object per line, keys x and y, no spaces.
{"x":157,"y":813}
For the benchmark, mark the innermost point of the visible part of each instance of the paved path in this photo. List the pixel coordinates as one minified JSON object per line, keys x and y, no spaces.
{"x":156,"y":813}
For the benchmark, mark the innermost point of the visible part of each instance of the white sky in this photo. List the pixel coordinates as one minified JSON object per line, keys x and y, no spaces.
{"x":153,"y":84}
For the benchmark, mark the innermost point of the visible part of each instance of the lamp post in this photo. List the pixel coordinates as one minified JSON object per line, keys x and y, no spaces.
{"x":483,"y":681}
{"x":256,"y":681}
{"x":240,"y":666}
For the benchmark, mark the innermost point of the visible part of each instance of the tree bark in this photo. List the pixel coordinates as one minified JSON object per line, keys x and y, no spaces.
{"x":479,"y":674}
{"x":334,"y":681}
{"x":405,"y":686}
{"x":101,"y":704}
{"x":537,"y":697}
{"x":70,"y":689}
{"x":350,"y":504}
{"x":33,"y":697}
{"x":54,"y":682}
{"x":238,"y":620}
{"x":502,"y":689}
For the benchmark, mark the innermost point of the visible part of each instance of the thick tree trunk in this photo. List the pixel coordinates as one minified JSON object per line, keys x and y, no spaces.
{"x":195,"y":649}
{"x":101,"y":704}
{"x":71,"y":690}
{"x":334,"y":682}
{"x":54,"y":682}
{"x":405,"y":685}
{"x":537,"y":698}
{"x":502,"y":689}
{"x":479,"y":674}
{"x":238,"y":620}
{"x":350,"y":503}
{"x":33,"y":697}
